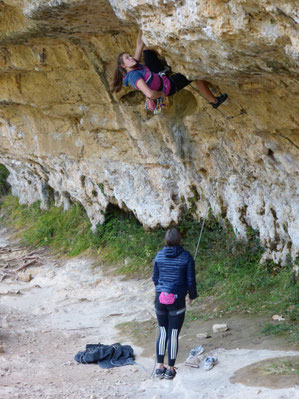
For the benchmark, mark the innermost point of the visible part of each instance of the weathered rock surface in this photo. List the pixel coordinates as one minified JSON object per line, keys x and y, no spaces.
{"x":63,"y":134}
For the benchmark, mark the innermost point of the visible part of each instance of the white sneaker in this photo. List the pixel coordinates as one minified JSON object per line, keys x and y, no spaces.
{"x":194,"y":357}
{"x":209,"y":362}
{"x":196,"y":351}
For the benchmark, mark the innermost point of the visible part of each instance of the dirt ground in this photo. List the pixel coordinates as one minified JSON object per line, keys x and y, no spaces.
{"x":52,"y":308}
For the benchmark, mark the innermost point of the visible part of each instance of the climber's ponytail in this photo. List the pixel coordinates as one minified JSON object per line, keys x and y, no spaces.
{"x":119,"y":73}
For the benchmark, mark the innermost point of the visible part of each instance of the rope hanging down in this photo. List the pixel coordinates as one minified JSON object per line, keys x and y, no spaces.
{"x":217,"y":166}
{"x":227,"y":118}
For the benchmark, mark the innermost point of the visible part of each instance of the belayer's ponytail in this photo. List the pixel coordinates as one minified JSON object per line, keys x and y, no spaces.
{"x":119,"y":73}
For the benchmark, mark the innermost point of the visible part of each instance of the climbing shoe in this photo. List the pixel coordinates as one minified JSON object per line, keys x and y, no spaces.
{"x":169,"y":374}
{"x":220,"y":100}
{"x":159,"y":373}
{"x":209,"y":362}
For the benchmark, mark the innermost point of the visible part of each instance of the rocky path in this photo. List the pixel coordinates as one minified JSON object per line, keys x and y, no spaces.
{"x":58,"y":306}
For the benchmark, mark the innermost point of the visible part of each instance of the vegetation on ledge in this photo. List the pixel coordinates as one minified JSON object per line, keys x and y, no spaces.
{"x":4,"y":186}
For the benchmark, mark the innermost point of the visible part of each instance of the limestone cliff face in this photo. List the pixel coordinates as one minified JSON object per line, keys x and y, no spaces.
{"x":63,"y":134}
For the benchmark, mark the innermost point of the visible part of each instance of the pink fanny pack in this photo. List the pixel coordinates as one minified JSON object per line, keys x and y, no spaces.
{"x":166,"y":298}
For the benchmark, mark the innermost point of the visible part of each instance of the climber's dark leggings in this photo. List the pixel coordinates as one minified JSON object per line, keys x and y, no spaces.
{"x":178,"y":81}
{"x":170,"y":319}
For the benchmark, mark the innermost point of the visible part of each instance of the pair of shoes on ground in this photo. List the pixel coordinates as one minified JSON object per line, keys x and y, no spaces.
{"x":220,"y":100}
{"x":194,"y":357}
{"x":165,"y":373}
{"x":208,"y":363}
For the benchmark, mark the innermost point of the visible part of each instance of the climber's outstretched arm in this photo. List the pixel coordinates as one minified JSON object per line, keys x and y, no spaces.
{"x":152,"y":94}
{"x":139,"y":46}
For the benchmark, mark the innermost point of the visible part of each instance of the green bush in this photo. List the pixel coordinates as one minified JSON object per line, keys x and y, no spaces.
{"x":4,"y":186}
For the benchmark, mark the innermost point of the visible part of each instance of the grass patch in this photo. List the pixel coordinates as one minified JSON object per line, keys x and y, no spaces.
{"x":291,"y":330}
{"x":274,"y":329}
{"x":192,"y":315}
{"x":229,"y":275}
{"x":281,"y":367}
{"x":140,"y":332}
{"x":230,"y":270}
{"x":65,"y":232}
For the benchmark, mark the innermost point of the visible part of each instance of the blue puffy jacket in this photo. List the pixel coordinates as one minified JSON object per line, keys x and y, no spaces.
{"x":174,"y":272}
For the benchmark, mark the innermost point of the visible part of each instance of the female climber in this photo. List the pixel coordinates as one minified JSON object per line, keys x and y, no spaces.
{"x":151,"y":80}
{"x":174,"y":277}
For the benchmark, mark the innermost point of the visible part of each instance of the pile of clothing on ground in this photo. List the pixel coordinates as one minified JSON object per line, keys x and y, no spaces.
{"x":107,"y":356}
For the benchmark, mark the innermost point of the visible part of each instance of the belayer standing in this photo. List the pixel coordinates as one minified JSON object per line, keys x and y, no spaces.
{"x":174,"y":277}
{"x":151,"y":80}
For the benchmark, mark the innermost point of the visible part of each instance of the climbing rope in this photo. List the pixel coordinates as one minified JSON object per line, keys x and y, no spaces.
{"x":217,"y":166}
{"x":151,"y":374}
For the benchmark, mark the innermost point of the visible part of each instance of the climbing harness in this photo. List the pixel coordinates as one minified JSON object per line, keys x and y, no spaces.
{"x":155,"y":106}
{"x":217,"y":166}
{"x":164,"y":72}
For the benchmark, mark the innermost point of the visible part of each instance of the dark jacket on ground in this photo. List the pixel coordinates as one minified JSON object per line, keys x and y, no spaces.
{"x":174,"y":272}
{"x":106,"y":356}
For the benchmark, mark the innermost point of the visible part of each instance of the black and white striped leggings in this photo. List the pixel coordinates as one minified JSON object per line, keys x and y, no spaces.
{"x":170,"y":319}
